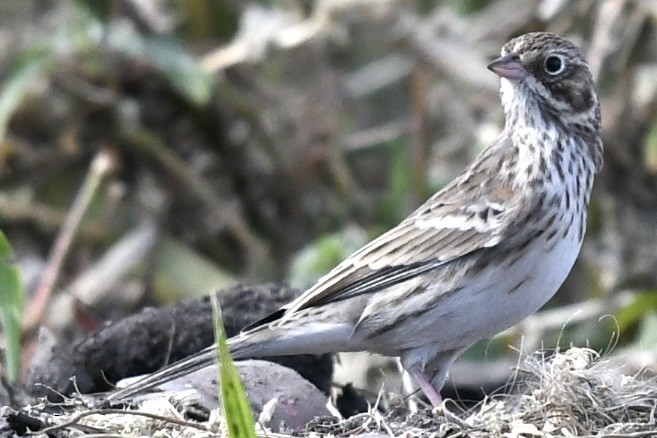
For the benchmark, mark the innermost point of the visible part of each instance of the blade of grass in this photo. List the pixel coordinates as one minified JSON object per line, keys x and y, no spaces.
{"x":237,"y":411}
{"x":11,"y":307}
{"x":27,"y":71}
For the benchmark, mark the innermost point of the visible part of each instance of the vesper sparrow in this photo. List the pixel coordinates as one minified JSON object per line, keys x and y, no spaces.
{"x":487,"y":250}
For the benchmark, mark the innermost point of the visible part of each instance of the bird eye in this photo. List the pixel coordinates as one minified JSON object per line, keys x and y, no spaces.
{"x":554,"y":64}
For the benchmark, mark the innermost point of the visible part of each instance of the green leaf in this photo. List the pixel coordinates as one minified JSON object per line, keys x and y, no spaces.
{"x":184,"y":72}
{"x":650,"y":147}
{"x":634,"y":312}
{"x":204,"y":21}
{"x":6,"y":253}
{"x":28,"y":70}
{"x":236,"y":408}
{"x":11,"y":307}
{"x":394,"y":207}
{"x":102,"y":10}
{"x":180,"y":272}
{"x":648,"y":330}
{"x":321,"y":256}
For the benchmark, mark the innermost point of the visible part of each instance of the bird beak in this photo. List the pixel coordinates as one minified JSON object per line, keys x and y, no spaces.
{"x":509,"y":67}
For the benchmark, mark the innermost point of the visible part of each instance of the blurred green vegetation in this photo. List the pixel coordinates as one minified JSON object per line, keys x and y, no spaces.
{"x":11,"y":308}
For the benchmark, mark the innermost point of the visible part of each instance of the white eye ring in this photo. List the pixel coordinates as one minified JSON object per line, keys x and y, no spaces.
{"x":554,"y":64}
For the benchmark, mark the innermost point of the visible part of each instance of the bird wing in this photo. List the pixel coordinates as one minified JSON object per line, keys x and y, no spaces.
{"x":462,"y":218}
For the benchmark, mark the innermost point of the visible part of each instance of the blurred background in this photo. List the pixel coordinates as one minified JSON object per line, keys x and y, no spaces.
{"x":152,"y":150}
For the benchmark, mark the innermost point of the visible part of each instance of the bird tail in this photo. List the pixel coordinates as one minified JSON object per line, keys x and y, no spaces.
{"x":259,"y":342}
{"x":239,"y":347}
{"x":183,"y":367}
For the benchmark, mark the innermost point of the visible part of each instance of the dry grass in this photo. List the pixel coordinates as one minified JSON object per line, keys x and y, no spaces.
{"x":574,"y":393}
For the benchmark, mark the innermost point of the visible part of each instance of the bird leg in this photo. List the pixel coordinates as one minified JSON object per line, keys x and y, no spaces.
{"x":427,"y":388}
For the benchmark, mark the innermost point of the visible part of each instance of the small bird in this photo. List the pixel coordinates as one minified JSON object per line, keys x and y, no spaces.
{"x":487,"y":250}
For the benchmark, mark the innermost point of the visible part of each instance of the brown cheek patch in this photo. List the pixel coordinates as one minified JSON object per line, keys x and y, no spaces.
{"x":561,"y":90}
{"x":582,"y":100}
{"x":571,"y":91}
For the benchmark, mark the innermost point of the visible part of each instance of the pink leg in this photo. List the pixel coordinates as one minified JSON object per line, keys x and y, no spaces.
{"x":428,"y":390}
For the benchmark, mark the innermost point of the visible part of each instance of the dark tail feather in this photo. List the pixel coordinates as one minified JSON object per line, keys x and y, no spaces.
{"x":240,"y":348}
{"x":183,"y":367}
{"x":256,"y":343}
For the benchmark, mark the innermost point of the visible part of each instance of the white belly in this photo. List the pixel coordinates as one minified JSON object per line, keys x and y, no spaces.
{"x":497,"y":308}
{"x":492,"y":301}
{"x":490,"y":305}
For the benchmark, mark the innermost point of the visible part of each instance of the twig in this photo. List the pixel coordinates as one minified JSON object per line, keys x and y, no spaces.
{"x":288,"y":33}
{"x":102,"y":164}
{"x":420,"y":142}
{"x":81,"y":415}
{"x":15,"y":207}
{"x":646,"y":433}
{"x":377,"y":135}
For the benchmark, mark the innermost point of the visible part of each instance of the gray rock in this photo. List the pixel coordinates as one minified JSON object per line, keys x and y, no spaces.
{"x":297,"y":400}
